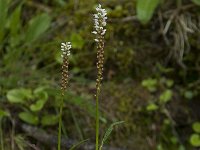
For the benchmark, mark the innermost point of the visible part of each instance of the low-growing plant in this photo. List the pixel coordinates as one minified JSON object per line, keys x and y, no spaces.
{"x":195,"y":137}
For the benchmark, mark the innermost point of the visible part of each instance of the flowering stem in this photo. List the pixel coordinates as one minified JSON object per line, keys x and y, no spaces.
{"x":97,"y":118}
{"x":60,"y":122}
{"x":65,"y":48}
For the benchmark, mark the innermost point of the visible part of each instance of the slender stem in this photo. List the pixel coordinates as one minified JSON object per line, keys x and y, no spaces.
{"x":1,"y":135}
{"x":97,"y":118}
{"x":60,"y":122}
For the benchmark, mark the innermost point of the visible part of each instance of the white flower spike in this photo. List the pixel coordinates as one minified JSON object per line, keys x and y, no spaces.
{"x":99,"y":22}
{"x":65,"y":48}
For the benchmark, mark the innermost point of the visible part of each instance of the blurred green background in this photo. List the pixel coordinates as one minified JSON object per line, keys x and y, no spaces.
{"x":151,"y":73}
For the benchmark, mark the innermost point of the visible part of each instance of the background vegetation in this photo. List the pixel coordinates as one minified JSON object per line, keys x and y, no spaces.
{"x":151,"y":78}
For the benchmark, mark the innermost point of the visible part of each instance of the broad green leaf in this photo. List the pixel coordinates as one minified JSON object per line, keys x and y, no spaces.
{"x":195,"y":140}
{"x":152,"y":107}
{"x":39,"y":89}
{"x":77,"y":40}
{"x":37,"y":26}
{"x":29,"y":118}
{"x":37,"y":106}
{"x":166,"y":96}
{"x":108,"y":132}
{"x":196,"y":127}
{"x":74,"y":147}
{"x":41,"y":97}
{"x":48,"y":120}
{"x":40,"y":94}
{"x":145,"y":9}
{"x":197,"y":2}
{"x":19,"y":95}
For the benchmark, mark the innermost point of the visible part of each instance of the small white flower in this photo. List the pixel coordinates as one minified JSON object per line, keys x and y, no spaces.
{"x":65,"y":48}
{"x":96,"y":40}
{"x":100,"y":22}
{"x":94,"y":32}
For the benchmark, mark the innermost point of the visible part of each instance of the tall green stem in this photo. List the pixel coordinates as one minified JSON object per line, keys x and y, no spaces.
{"x":97,"y":118}
{"x":60,"y":123}
{"x":1,"y":134}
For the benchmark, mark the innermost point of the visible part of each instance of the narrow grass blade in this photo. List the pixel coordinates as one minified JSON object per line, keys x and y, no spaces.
{"x":108,"y":132}
{"x":78,"y":144}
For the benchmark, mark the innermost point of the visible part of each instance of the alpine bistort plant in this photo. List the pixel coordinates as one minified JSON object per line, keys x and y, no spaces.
{"x":99,"y":25}
{"x":65,"y":48}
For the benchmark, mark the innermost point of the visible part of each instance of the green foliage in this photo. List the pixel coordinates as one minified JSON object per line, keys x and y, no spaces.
{"x":33,"y":102}
{"x":84,"y":103}
{"x":195,"y":140}
{"x":74,"y":147}
{"x":49,"y":120}
{"x":14,"y":22}
{"x":166,"y":96}
{"x":131,"y":51}
{"x":29,"y":118}
{"x":145,"y":9}
{"x":195,"y":137}
{"x":150,"y":84}
{"x":77,"y":40}
{"x":37,"y":26}
{"x":196,"y":127}
{"x":20,"y":142}
{"x":4,"y":5}
{"x":152,"y":107}
{"x":19,"y":95}
{"x":3,"y":113}
{"x":42,"y":97}
{"x":197,"y":2}
{"x":108,"y":132}
{"x":188,"y":94}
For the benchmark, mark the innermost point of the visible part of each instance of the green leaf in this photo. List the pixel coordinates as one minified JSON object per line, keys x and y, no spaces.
{"x":37,"y":26}
{"x":41,"y":97}
{"x":196,"y":127}
{"x":4,"y":113}
{"x":77,"y":40}
{"x":41,"y":94}
{"x":4,"y":5}
{"x":48,"y":120}
{"x":195,"y":140}
{"x":166,"y":96}
{"x":108,"y":132}
{"x":74,"y":147}
{"x":37,"y":106}
{"x":169,"y":83}
{"x":152,"y":107}
{"x":181,"y":147}
{"x":188,"y":94}
{"x":19,"y":95}
{"x":29,"y":118}
{"x":14,"y":21}
{"x":150,"y":84}
{"x":197,"y":2}
{"x":145,"y":9}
